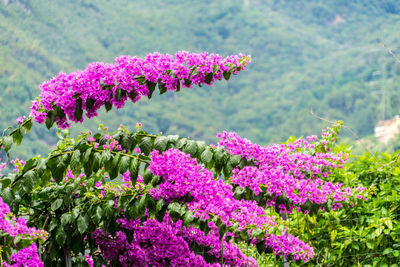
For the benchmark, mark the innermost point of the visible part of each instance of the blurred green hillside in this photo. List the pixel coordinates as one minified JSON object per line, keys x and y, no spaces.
{"x":307,"y":55}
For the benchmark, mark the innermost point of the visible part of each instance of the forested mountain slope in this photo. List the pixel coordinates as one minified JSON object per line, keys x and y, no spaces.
{"x":307,"y":55}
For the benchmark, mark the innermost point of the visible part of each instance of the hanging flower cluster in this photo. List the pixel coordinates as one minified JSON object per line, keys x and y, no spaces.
{"x":292,"y":170}
{"x":166,"y":244}
{"x":65,"y":96}
{"x":182,"y":174}
{"x":16,"y":232}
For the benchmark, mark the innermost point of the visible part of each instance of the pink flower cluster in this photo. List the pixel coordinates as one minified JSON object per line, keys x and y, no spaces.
{"x":111,"y":144}
{"x":166,"y":244}
{"x":102,"y":83}
{"x":182,"y":174}
{"x":288,"y":169}
{"x":14,"y":227}
{"x":25,"y":257}
{"x":18,"y":164}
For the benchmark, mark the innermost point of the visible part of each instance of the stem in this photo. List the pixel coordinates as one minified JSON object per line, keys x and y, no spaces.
{"x":285,"y":261}
{"x":40,"y":245}
{"x":13,"y":131}
{"x":67,"y":254}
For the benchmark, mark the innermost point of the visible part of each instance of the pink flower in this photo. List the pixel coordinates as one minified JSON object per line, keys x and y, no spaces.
{"x":20,"y":120}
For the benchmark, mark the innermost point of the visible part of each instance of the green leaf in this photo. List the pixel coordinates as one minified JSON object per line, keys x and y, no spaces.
{"x":89,"y":103}
{"x":162,"y":88}
{"x":151,"y":86}
{"x":29,"y":164}
{"x":7,"y":143}
{"x":219,"y":156}
{"x":75,"y":159}
{"x":88,"y":168}
{"x":235,"y":160}
{"x":123,"y":164}
{"x":161,"y":209}
{"x":244,"y":234}
{"x":181,"y":143}
{"x":126,"y":141}
{"x":187,"y":82}
{"x":29,"y":180}
{"x":65,"y":219}
{"x":155,"y":181}
{"x":113,"y":172}
{"x":83,"y":223}
{"x":160,"y":143}
{"x":17,"y":137}
{"x":174,"y":210}
{"x":59,"y":112}
{"x":147,"y":176}
{"x":114,"y":163}
{"x":260,"y":247}
{"x":370,"y":245}
{"x":119,"y":93}
{"x":160,"y":204}
{"x":195,"y":72}
{"x":78,"y":109}
{"x":142,"y":203}
{"x":387,"y":251}
{"x":206,"y":156}
{"x":333,"y":235}
{"x":222,"y":229}
{"x":56,"y":204}
{"x":8,"y":195}
{"x":133,"y":94}
{"x":172,"y":139}
{"x":5,"y":182}
{"x":105,"y":158}
{"x":191,"y":148}
{"x":45,"y":177}
{"x":96,"y":161}
{"x":132,"y":210}
{"x":227,"y":169}
{"x":96,"y":217}
{"x":58,"y":171}
{"x":50,"y":119}
{"x":201,"y":146}
{"x":17,"y":239}
{"x":27,"y":126}
{"x":108,"y":106}
{"x":41,"y":167}
{"x":108,"y":208}
{"x":75,"y":213}
{"x":208,"y":77}
{"x":86,"y":157}
{"x":61,"y":236}
{"x":257,"y":233}
{"x":134,"y":170}
{"x":145,"y":145}
{"x":151,"y":205}
{"x":188,"y":218}
{"x":227,"y":75}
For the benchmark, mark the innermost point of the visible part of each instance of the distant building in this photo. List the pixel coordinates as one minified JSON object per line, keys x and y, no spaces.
{"x":338,"y":19}
{"x":386,"y":130}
